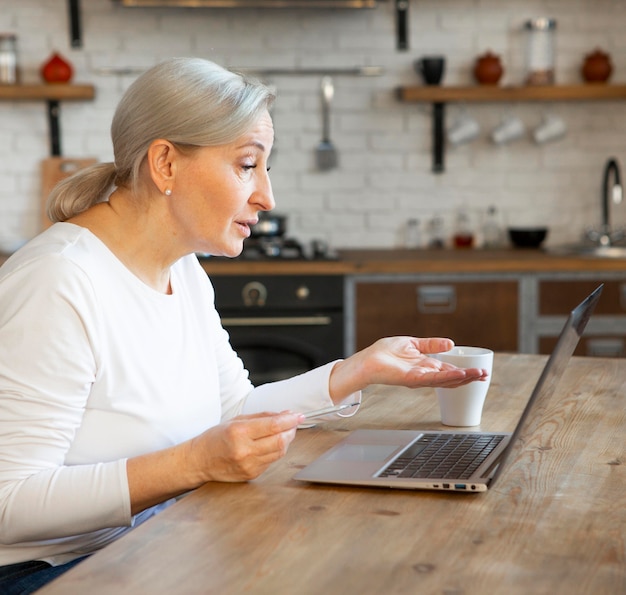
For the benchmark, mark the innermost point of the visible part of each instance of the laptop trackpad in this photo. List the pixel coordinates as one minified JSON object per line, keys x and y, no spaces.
{"x":361,"y":452}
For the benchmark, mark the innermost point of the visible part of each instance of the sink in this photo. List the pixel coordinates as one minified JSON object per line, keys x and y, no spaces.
{"x":589,"y":250}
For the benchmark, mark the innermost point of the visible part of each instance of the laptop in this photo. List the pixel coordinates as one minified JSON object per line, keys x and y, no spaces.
{"x":447,"y":460}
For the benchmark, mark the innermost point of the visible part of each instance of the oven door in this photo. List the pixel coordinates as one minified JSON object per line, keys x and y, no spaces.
{"x":274,"y":347}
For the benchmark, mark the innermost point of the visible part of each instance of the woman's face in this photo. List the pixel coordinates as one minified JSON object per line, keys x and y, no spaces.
{"x":218,"y":192}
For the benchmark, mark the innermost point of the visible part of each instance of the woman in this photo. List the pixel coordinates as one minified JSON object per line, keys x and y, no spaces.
{"x":119,"y":390}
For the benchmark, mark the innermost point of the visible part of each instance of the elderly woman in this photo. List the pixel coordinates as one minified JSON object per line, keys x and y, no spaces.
{"x":119,"y":390}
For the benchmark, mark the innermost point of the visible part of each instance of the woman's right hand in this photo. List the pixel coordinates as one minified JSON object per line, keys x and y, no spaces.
{"x":238,"y":450}
{"x":246,"y":446}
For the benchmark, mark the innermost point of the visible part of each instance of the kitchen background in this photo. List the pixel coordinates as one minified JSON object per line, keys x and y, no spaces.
{"x":384,"y":176}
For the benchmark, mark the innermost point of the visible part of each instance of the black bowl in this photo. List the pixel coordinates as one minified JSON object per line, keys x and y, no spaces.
{"x":527,"y":237}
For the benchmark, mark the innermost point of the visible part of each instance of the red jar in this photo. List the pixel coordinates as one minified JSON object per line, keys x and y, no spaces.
{"x":488,"y":69}
{"x":597,"y":67}
{"x":57,"y":70}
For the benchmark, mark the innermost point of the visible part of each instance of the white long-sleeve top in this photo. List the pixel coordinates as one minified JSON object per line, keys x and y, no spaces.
{"x":97,"y":367}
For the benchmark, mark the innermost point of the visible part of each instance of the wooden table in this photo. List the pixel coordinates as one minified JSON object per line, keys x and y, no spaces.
{"x":554,"y":523}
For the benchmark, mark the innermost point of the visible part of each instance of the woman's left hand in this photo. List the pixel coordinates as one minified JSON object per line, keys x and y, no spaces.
{"x":400,"y":361}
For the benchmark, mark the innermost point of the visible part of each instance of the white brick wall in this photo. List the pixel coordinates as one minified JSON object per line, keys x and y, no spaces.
{"x":385,"y":174}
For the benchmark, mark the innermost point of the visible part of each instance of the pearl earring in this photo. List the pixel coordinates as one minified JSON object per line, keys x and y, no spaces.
{"x":168,"y":192}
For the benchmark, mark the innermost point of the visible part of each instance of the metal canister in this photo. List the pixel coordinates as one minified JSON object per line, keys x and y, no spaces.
{"x":8,"y":59}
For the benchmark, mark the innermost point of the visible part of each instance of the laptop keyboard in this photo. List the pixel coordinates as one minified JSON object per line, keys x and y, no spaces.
{"x":443,"y":456}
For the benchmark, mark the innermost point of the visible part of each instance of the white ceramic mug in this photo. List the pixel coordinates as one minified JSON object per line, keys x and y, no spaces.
{"x":464,"y":130}
{"x":463,"y":406}
{"x":551,"y":128}
{"x":511,"y":128}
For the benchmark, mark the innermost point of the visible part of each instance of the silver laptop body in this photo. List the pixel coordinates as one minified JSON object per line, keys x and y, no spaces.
{"x":379,"y":458}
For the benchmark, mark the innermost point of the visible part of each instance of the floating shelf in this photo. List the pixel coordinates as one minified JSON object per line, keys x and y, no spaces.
{"x":52,"y":94}
{"x":440,"y":95}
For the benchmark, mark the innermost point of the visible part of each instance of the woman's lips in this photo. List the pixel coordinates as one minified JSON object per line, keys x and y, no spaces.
{"x":245,"y":227}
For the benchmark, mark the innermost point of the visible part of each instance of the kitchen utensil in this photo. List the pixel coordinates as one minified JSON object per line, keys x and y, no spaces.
{"x":53,"y":170}
{"x":326,"y":152}
{"x":527,"y":237}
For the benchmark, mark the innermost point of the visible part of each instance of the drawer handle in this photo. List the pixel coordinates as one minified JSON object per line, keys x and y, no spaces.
{"x":436,"y":299}
{"x":277,"y":321}
{"x":605,"y":347}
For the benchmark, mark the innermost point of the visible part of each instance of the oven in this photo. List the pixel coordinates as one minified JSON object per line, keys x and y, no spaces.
{"x":282,"y":325}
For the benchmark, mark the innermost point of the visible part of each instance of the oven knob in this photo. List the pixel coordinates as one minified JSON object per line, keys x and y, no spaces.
{"x":303,"y":292}
{"x":254,"y":294}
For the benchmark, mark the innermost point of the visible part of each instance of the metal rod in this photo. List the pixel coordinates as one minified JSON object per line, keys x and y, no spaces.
{"x":54,"y":111}
{"x":439,"y":113}
{"x":402,"y":9}
{"x":356,"y":71}
{"x":75,"y":24}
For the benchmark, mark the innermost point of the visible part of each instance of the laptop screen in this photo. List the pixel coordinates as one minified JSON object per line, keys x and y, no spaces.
{"x":551,"y":375}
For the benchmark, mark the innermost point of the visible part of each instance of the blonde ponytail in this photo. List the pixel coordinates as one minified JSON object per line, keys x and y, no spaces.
{"x":78,"y":192}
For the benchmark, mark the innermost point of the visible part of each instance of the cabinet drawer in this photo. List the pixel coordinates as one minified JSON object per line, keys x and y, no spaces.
{"x":592,"y":345}
{"x":560,"y":297}
{"x":478,"y":313}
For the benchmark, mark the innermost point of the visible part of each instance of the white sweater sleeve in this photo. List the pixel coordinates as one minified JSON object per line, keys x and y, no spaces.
{"x":305,"y":392}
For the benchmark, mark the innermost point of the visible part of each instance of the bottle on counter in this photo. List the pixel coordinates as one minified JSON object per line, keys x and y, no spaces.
{"x":463,"y":232}
{"x":492,"y":229}
{"x":413,"y":236}
{"x":436,"y":237}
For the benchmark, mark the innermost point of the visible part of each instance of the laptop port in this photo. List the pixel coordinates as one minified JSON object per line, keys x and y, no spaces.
{"x":446,"y":486}
{"x":459,"y":486}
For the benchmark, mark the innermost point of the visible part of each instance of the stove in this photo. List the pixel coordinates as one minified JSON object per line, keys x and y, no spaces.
{"x":281,"y":248}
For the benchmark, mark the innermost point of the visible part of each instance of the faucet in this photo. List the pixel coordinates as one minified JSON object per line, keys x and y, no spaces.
{"x":610,"y":193}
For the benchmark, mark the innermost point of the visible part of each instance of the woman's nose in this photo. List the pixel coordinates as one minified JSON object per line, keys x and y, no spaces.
{"x":264,"y":196}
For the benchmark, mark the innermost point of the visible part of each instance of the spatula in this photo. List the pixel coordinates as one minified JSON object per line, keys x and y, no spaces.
{"x":326,"y":152}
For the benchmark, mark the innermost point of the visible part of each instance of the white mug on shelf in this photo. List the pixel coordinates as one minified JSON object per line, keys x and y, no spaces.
{"x":551,"y":128}
{"x":510,"y":128}
{"x":464,"y":129}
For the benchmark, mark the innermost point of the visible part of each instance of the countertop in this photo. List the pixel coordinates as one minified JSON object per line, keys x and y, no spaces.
{"x":400,"y":261}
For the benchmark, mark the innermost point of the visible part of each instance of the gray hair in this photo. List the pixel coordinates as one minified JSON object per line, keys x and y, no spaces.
{"x":188,"y":101}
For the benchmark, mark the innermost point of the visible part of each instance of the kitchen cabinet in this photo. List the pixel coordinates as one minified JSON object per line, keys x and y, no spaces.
{"x":606,"y":334}
{"x":52,"y":94}
{"x":439,"y":96}
{"x":483,"y":313}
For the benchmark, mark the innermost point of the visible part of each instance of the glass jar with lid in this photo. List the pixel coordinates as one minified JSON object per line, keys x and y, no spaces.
{"x":8,"y":59}
{"x":540,"y":51}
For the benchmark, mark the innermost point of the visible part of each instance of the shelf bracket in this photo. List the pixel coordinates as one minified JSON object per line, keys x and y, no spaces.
{"x":438,"y":126}
{"x":54,"y":110}
{"x":402,"y":22}
{"x":75,"y":23}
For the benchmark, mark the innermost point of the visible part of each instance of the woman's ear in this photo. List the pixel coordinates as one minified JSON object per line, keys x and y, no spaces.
{"x":161,"y":163}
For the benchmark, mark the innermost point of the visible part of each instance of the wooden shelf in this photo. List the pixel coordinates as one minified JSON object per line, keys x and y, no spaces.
{"x":487,"y":93}
{"x":440,"y":95}
{"x":52,"y":94}
{"x":56,"y":92}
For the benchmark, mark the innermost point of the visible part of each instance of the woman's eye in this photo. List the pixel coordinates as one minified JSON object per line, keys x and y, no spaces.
{"x":248,"y":167}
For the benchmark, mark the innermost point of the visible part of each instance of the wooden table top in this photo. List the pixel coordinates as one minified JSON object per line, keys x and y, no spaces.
{"x":554,"y":523}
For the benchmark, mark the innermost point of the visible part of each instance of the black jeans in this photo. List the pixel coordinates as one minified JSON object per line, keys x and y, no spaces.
{"x":26,"y":577}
